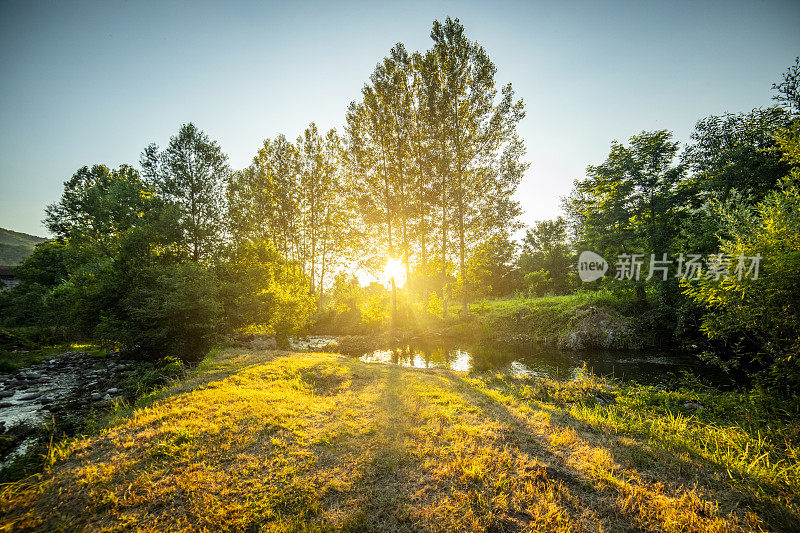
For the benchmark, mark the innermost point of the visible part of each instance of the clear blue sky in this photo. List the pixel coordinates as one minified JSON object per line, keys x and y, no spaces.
{"x":84,"y":83}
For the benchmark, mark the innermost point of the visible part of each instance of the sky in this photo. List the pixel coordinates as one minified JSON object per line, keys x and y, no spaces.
{"x":94,"y":82}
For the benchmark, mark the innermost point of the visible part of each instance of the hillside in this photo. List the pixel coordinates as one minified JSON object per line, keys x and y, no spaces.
{"x":16,"y":246}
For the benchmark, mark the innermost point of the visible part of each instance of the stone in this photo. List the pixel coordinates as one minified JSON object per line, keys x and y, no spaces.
{"x":112,"y":390}
{"x":29,"y":396}
{"x":262,"y":343}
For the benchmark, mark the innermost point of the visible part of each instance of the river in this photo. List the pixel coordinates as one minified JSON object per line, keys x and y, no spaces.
{"x":528,"y":359}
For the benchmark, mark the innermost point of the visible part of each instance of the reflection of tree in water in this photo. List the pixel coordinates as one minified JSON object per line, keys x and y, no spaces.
{"x":424,"y":356}
{"x":532,"y":360}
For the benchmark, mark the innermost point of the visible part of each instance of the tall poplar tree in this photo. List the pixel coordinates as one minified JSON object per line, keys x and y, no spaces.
{"x":481,"y":135}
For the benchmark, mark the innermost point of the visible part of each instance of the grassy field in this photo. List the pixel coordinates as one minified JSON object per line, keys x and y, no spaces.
{"x":315,"y":442}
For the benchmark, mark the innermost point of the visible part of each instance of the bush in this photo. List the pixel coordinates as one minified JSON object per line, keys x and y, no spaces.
{"x":172,"y":311}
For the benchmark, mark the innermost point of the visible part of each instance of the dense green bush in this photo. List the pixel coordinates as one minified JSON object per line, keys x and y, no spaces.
{"x":170,"y":311}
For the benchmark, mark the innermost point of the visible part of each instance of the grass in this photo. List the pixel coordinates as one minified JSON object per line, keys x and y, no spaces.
{"x":316,"y":442}
{"x":552,"y":319}
{"x":505,"y":306}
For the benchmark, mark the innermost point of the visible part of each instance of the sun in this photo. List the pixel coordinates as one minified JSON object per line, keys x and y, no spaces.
{"x":394,"y":269}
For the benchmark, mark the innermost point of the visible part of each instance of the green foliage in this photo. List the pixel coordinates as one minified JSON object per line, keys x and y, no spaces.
{"x":434,"y":305}
{"x":121,"y":273}
{"x":491,"y":268}
{"x":627,"y":204}
{"x":171,"y":310}
{"x":376,"y":313}
{"x":190,"y":173}
{"x":26,"y":304}
{"x":260,"y":292}
{"x":789,"y":89}
{"x":345,"y":292}
{"x":295,"y":196}
{"x":537,"y":282}
{"x":734,"y":152}
{"x":758,"y":320}
{"x":434,"y":150}
{"x":545,"y":250}
{"x":98,"y":205}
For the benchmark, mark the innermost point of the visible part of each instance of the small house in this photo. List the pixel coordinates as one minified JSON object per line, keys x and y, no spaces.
{"x":8,"y":277}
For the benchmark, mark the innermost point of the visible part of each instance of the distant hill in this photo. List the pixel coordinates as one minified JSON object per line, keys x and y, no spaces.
{"x":16,"y":246}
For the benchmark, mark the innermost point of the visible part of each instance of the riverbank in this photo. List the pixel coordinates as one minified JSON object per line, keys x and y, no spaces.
{"x":49,"y":400}
{"x":584,"y":320}
{"x":285,"y":442}
{"x":591,"y":320}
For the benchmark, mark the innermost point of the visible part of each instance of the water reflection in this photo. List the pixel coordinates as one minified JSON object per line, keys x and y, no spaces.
{"x":543,"y":361}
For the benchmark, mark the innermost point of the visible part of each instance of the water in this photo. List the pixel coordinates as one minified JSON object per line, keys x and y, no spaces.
{"x":545,"y":361}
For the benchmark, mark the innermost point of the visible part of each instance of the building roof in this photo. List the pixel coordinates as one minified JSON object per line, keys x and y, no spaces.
{"x":7,"y":271}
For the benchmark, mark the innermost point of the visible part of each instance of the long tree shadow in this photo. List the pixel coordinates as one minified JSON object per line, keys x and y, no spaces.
{"x":519,"y":432}
{"x":687,"y":468}
{"x":381,"y":484}
{"x":580,"y":488}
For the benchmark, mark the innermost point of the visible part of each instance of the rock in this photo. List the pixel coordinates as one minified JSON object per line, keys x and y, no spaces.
{"x":96,"y":397}
{"x":264,"y":343}
{"x":693,"y":405}
{"x":29,"y":396}
{"x":575,"y":341}
{"x":112,"y":390}
{"x":107,"y":397}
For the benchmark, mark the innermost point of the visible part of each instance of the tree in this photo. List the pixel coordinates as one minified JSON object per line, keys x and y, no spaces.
{"x":171,"y":310}
{"x":485,"y":167}
{"x":545,"y":250}
{"x":191,"y":173}
{"x":324,"y":208}
{"x":377,"y":151}
{"x":492,"y":267}
{"x":98,"y":205}
{"x":627,"y":203}
{"x":38,"y":274}
{"x":789,"y":89}
{"x":294,"y":197}
{"x":736,"y":152}
{"x":756,"y":318}
{"x":757,"y":321}
{"x":261,"y":293}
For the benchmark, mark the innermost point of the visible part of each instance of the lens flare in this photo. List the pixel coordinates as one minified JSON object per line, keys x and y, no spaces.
{"x":395,"y":270}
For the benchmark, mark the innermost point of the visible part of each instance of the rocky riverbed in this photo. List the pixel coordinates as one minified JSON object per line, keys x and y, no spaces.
{"x":61,"y":391}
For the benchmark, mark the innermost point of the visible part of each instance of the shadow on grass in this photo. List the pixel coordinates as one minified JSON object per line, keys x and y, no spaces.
{"x":664,"y":465}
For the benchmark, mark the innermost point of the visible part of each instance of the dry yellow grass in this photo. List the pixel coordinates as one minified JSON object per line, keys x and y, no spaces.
{"x":317,"y":442}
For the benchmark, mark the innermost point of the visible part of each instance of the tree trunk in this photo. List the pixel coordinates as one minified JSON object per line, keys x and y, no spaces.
{"x":444,"y":246}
